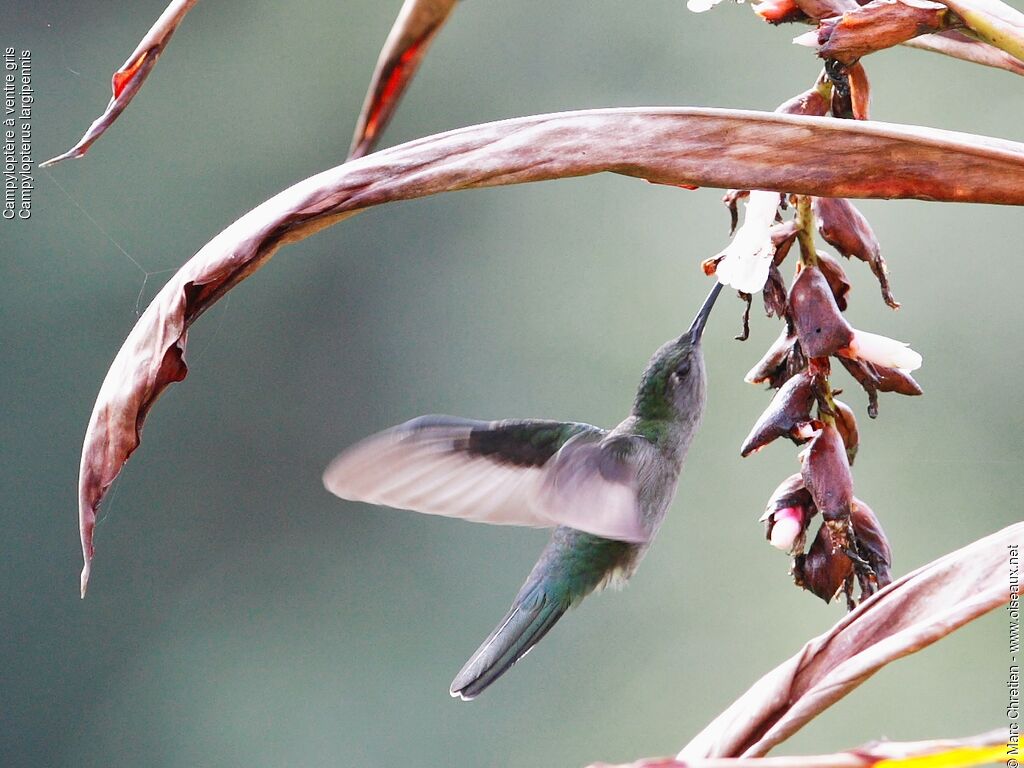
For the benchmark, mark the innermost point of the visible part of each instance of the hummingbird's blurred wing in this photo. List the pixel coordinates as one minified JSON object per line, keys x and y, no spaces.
{"x":593,"y":486}
{"x":486,"y":471}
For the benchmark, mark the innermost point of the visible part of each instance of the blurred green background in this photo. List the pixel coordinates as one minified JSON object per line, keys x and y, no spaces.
{"x":241,"y":616}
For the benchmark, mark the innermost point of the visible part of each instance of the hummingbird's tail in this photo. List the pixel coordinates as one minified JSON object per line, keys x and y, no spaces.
{"x":572,"y":566}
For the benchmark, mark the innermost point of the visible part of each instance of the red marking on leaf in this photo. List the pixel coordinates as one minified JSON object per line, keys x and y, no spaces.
{"x":392,"y":86}
{"x":124,"y":76}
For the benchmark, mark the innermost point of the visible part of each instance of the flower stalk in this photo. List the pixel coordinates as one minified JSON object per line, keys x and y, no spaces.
{"x":850,"y":548}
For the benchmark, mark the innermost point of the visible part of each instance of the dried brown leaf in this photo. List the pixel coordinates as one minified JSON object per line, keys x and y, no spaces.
{"x":414,"y":30}
{"x":908,"y":615}
{"x":707,"y":147}
{"x":127,"y":80}
{"x":994,"y":22}
{"x":957,"y":45}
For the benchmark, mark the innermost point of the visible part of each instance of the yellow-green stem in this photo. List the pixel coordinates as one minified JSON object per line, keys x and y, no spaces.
{"x":809,"y":259}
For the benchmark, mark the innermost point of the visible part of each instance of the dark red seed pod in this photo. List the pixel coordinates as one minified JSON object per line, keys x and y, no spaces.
{"x":791,"y":492}
{"x":774,"y":293}
{"x":788,"y":415}
{"x":876,"y":378}
{"x":820,"y":325}
{"x":862,"y":372}
{"x":880,"y":24}
{"x":895,"y":380}
{"x":845,"y":229}
{"x":783,"y":359}
{"x":836,"y":277}
{"x":826,"y":474}
{"x":824,"y":569}
{"x":872,"y":543}
{"x":783,"y":237}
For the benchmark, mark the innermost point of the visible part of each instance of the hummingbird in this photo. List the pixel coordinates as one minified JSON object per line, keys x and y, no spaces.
{"x":605,"y":492}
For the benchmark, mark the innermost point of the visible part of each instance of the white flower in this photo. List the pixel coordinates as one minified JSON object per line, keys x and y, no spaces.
{"x":699,"y":6}
{"x":745,"y":261}
{"x":881,"y":350}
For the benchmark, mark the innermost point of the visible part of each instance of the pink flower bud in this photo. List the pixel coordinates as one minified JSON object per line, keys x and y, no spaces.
{"x":787,"y":515}
{"x":785,"y":528}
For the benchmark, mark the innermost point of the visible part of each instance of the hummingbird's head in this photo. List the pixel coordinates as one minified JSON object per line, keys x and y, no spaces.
{"x":674,"y":382}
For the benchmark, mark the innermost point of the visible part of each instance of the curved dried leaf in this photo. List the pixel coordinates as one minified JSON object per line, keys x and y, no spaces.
{"x":707,"y":147}
{"x":984,"y":749}
{"x":129,"y":78}
{"x":908,"y":615}
{"x":407,"y":43}
{"x":960,"y":46}
{"x":994,"y":22}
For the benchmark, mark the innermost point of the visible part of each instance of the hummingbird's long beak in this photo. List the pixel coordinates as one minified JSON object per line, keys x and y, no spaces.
{"x":697,"y":329}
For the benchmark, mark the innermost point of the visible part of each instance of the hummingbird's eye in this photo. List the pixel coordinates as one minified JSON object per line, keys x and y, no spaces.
{"x":683,"y":369}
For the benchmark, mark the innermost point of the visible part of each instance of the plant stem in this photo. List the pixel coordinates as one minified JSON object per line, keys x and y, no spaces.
{"x":819,"y":366}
